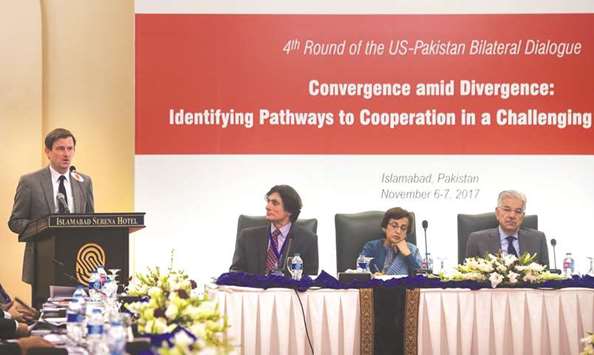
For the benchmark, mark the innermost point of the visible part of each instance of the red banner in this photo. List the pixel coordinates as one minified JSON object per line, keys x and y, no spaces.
{"x":364,"y":84}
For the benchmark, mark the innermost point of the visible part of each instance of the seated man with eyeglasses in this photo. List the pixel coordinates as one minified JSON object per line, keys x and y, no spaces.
{"x":509,"y":237}
{"x":393,"y":255}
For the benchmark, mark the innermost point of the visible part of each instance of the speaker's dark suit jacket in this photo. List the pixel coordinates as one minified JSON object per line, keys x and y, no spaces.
{"x":34,"y":198}
{"x":252,"y":244}
{"x":488,"y":241}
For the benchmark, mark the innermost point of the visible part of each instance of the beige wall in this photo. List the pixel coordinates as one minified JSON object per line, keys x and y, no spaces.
{"x":70,"y":64}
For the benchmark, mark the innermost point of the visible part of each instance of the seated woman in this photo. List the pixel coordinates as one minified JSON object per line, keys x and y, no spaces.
{"x":393,"y":255}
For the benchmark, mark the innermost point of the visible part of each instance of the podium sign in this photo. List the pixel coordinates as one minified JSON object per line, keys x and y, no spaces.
{"x":69,"y":247}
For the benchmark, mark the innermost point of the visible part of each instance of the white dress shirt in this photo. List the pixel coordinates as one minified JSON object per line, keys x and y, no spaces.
{"x":56,"y":183}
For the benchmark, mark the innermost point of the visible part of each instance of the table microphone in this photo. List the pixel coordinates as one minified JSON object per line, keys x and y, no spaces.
{"x":62,"y":266}
{"x":287,"y":252}
{"x":62,"y":202}
{"x":425,"y":269}
{"x":555,"y":270}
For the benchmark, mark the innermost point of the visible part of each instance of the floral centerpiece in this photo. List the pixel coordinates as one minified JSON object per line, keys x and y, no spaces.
{"x":502,"y":270}
{"x":588,"y":345}
{"x":188,"y":322}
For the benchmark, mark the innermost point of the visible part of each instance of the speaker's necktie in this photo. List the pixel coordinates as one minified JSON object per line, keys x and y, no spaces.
{"x":510,"y":246}
{"x":62,"y":190}
{"x":271,"y":258}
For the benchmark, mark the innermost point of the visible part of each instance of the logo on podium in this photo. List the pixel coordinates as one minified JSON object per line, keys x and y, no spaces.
{"x":89,"y":256}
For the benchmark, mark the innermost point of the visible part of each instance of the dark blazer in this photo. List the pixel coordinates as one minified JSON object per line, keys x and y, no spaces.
{"x":7,"y":327}
{"x":252,"y":244}
{"x":34,"y":198}
{"x":487,"y":241}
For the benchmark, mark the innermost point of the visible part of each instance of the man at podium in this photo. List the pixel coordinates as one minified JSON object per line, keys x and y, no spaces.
{"x":58,"y":188}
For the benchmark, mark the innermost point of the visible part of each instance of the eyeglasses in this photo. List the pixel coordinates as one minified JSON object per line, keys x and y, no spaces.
{"x":394,"y":225}
{"x":509,"y":210}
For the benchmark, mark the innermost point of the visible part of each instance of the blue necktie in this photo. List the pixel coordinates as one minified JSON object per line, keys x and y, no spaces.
{"x":510,"y":246}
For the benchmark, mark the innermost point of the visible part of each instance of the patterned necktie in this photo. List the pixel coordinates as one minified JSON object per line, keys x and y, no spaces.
{"x":510,"y":246}
{"x":271,"y":258}
{"x":62,"y":190}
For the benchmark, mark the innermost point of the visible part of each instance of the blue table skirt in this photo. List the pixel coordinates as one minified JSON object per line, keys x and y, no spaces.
{"x":325,"y":280}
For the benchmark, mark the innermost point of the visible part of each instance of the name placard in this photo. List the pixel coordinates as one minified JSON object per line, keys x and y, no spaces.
{"x":103,"y":220}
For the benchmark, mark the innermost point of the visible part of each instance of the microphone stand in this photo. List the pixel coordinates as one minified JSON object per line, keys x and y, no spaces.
{"x":286,"y":255}
{"x":425,"y":270}
{"x":555,"y":270}
{"x":426,"y":249}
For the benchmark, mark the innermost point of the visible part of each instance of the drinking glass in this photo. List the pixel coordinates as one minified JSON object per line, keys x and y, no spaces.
{"x":440,"y":267}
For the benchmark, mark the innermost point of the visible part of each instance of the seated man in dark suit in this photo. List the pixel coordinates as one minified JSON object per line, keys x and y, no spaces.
{"x":11,"y":328}
{"x":263,"y":250}
{"x":23,"y":345}
{"x":393,"y":255}
{"x":16,"y":310}
{"x":509,"y":237}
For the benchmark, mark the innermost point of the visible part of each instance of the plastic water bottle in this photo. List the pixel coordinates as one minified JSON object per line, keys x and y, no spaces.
{"x":81,"y":295}
{"x":95,"y":333}
{"x":362,"y":264}
{"x":429,"y":262}
{"x":94,"y":287}
{"x":568,"y":265}
{"x":297,"y":267}
{"x":102,"y":275}
{"x":116,"y":337}
{"x":74,"y":319}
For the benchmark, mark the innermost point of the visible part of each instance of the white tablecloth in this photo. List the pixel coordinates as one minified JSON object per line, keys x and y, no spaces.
{"x":270,"y":321}
{"x":504,"y":321}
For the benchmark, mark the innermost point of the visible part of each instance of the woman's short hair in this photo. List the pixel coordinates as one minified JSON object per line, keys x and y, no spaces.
{"x":396,"y":213}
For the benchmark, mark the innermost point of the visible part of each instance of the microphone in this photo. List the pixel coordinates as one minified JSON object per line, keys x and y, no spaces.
{"x":62,"y":266}
{"x":425,"y":269}
{"x":555,"y":270}
{"x":75,"y":174}
{"x":62,"y":202}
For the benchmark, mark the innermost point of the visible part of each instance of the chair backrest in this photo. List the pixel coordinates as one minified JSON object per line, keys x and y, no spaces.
{"x":245,"y":221}
{"x":468,"y":223}
{"x":356,"y":229}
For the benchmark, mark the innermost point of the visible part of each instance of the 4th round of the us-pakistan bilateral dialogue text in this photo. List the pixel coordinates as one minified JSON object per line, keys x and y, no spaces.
{"x":440,"y":186}
{"x":437,"y":47}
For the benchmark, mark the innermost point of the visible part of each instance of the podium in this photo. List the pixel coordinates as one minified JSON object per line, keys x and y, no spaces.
{"x":69,"y":247}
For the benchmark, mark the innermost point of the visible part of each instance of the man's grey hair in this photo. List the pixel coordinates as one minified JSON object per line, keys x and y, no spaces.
{"x":512,"y":194}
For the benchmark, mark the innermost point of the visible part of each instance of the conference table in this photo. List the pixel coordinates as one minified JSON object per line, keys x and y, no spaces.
{"x":437,"y":320}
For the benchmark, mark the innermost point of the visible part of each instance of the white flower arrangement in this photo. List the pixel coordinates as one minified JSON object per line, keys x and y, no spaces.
{"x":588,"y":345}
{"x":502,"y":270}
{"x":173,"y":303}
